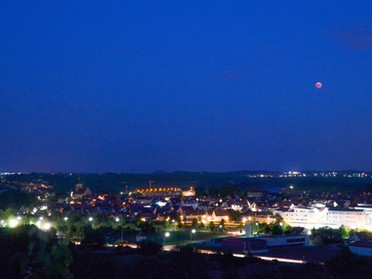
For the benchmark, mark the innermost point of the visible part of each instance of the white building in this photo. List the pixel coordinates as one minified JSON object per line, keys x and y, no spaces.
{"x":316,"y":217}
{"x":305,"y":217}
{"x":367,"y":208}
{"x":348,"y":217}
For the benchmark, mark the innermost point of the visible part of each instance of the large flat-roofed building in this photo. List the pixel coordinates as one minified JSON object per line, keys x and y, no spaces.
{"x":361,"y":248}
{"x":285,"y":240}
{"x":305,"y":217}
{"x":246,"y":244}
{"x":351,"y":218}
{"x":334,"y":217}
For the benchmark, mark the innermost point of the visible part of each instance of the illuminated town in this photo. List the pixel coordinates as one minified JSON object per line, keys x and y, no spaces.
{"x":291,"y":225}
{"x":185,"y":139}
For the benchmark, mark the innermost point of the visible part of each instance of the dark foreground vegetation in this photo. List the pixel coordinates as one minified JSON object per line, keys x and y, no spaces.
{"x":27,"y":252}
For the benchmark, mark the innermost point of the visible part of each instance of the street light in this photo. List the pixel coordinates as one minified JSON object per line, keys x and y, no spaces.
{"x":167,"y":234}
{"x":90,"y":219}
{"x":192,"y":231}
{"x":117,"y":220}
{"x":46,"y":226}
{"x":219,"y":227}
{"x":13,"y":223}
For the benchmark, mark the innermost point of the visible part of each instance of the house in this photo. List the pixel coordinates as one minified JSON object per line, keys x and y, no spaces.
{"x":146,"y":216}
{"x":189,"y":202}
{"x":216,"y":215}
{"x":360,"y":236}
{"x":188,"y":213}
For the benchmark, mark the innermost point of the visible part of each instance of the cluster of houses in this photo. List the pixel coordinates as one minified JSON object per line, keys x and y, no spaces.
{"x":39,"y":187}
{"x":308,"y":210}
{"x":298,"y":209}
{"x":163,"y":205}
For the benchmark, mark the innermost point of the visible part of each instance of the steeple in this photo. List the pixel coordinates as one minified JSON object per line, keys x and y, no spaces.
{"x":78,"y":185}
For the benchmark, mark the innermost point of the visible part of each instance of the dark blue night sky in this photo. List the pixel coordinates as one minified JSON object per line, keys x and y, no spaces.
{"x":140,"y":86}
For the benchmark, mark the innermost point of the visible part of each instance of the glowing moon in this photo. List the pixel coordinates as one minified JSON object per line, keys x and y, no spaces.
{"x":318,"y":85}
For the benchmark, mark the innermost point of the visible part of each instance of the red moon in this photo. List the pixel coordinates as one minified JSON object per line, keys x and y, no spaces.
{"x":318,"y":85}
